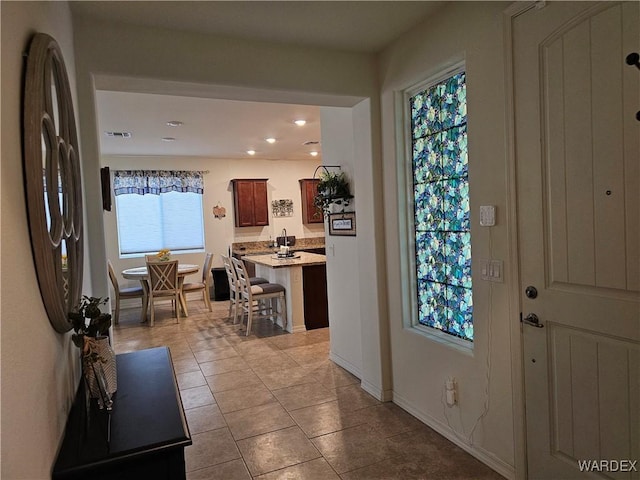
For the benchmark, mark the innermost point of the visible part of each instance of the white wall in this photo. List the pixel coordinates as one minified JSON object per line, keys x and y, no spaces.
{"x":220,"y":233}
{"x":471,"y":31}
{"x":359,"y":328}
{"x":40,"y":368}
{"x":342,"y":252}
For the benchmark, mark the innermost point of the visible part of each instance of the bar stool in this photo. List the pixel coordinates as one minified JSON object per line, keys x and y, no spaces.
{"x":256,"y":293}
{"x":234,"y":290}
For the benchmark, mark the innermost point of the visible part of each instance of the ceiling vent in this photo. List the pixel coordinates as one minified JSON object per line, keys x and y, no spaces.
{"x":118,"y":134}
{"x":311,"y":142}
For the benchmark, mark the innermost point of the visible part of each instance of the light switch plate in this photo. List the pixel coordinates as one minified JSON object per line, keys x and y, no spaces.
{"x":487,"y":215}
{"x":491,"y":270}
{"x":484,"y":269}
{"x":495,"y":270}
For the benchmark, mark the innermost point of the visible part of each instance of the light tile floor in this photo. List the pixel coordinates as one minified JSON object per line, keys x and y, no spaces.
{"x":273,"y":406}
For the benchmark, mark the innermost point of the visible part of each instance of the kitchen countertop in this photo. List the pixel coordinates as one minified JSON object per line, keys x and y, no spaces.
{"x":302,"y":259}
{"x":264,"y":248}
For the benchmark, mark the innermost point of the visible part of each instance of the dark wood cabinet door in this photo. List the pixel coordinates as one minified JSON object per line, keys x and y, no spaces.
{"x":260,"y":205}
{"x":250,"y":202}
{"x":309,"y":190}
{"x":314,"y":287}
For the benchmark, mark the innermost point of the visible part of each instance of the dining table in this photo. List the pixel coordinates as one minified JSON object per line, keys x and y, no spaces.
{"x":142,"y":275}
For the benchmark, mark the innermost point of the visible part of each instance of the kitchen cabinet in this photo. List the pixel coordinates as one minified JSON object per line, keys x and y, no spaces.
{"x":304,"y":278}
{"x":309,"y":190}
{"x":314,"y":290}
{"x":250,"y":202}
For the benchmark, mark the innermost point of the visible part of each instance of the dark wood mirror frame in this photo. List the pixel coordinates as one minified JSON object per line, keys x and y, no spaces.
{"x":52,"y":180}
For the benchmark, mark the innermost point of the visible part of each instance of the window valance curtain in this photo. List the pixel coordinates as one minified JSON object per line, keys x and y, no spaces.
{"x":155,"y":182}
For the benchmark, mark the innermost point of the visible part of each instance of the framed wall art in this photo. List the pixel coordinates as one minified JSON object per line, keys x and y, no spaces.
{"x":342,"y":224}
{"x":282,"y":208}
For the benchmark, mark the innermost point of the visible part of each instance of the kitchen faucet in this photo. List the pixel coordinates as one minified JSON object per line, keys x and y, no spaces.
{"x":284,"y":234}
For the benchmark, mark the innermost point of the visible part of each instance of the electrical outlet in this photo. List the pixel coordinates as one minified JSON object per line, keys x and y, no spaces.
{"x":451,"y":392}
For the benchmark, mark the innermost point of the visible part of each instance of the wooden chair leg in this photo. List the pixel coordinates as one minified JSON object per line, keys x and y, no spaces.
{"x":249,"y":316}
{"x":206,"y":299}
{"x":153,"y":312}
{"x":230,"y":305}
{"x":237,"y":314}
{"x":145,"y":306}
{"x":283,"y":313}
{"x":116,"y":314}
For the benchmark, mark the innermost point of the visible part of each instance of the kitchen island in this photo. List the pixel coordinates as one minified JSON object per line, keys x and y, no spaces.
{"x":305,"y":280}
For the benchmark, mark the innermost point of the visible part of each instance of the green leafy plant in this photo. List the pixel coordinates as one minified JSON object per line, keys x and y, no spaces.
{"x":333,"y":188}
{"x":88,"y":324}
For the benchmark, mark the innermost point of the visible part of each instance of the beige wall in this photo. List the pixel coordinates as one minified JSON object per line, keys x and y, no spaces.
{"x":470,"y":31}
{"x":40,"y":368}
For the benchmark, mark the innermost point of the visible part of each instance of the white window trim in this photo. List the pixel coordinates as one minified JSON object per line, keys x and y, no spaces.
{"x":404,"y":162}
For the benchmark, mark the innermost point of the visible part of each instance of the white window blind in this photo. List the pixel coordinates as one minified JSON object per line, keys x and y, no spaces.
{"x":149,"y":223}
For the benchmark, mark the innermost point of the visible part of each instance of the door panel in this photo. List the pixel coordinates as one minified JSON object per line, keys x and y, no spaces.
{"x":577,"y":157}
{"x":592,"y":380}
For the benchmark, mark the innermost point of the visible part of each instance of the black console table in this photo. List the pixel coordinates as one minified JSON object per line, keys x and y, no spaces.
{"x":142,"y":437}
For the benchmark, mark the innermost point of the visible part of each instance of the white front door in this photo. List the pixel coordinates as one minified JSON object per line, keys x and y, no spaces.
{"x":577,"y":146}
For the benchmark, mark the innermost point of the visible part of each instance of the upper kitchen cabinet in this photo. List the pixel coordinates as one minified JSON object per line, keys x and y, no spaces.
{"x":310,"y":212}
{"x":250,"y":202}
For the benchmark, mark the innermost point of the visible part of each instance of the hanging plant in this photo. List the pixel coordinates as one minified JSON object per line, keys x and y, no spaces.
{"x":333,"y":189}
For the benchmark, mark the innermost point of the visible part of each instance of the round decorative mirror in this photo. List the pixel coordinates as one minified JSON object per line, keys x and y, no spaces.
{"x":52,"y":180}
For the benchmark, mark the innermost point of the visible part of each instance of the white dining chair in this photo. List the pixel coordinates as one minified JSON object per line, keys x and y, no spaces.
{"x":163,"y":282}
{"x":232,"y":279}
{"x":259,"y":293}
{"x":204,"y":284}
{"x":235,"y":299}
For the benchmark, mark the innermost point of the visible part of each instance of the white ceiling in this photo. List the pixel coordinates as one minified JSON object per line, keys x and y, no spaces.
{"x":211,"y":127}
{"x":224,"y":128}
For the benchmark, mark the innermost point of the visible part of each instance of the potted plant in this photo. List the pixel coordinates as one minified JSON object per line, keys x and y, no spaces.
{"x":90,"y":327}
{"x":333,"y":189}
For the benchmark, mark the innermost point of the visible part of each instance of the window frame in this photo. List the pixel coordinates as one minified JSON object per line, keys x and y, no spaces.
{"x":406,"y":205}
{"x":143,"y":254}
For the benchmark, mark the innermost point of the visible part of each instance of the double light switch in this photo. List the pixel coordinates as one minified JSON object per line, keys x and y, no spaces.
{"x":491,"y":270}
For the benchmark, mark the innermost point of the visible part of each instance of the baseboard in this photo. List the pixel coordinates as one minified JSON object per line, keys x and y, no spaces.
{"x":348,"y":366}
{"x":370,"y":388}
{"x":377,"y":392}
{"x":486,"y":457}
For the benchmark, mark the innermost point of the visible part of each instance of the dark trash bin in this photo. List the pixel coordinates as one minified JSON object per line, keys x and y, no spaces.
{"x":220,"y":284}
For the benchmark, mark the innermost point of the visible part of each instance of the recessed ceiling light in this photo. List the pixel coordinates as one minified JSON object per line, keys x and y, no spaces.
{"x":168,"y":139}
{"x":174,"y":123}
{"x":313,"y":153}
{"x":251,"y":152}
{"x":270,"y":140}
{"x":300,"y":123}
